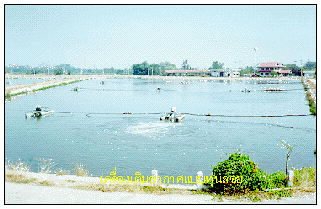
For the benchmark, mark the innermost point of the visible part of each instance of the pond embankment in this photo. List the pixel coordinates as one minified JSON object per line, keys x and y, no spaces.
{"x":23,"y":89}
{"x":309,"y":86}
{"x":35,"y":188}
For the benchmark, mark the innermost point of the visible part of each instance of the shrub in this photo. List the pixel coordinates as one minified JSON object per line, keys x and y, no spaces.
{"x":305,"y":177}
{"x":62,"y":172}
{"x":276,"y":180}
{"x":79,"y":170}
{"x":17,"y":166}
{"x":237,"y":165}
{"x":45,"y":165}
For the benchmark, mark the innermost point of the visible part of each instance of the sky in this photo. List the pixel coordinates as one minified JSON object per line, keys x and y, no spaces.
{"x":104,"y":36}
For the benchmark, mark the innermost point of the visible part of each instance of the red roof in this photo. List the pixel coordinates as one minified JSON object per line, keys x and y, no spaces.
{"x":271,"y":64}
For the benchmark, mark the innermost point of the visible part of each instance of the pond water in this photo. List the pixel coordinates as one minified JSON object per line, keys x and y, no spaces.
{"x":88,"y":126}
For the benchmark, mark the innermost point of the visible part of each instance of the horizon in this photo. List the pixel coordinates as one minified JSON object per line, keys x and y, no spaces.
{"x":118,"y":36}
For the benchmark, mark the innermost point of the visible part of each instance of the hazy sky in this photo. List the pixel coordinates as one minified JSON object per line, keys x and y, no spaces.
{"x":119,"y":36}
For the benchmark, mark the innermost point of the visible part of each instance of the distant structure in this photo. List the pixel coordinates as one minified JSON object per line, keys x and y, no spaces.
{"x":187,"y":72}
{"x":267,"y":68}
{"x":225,"y":72}
{"x":309,"y":73}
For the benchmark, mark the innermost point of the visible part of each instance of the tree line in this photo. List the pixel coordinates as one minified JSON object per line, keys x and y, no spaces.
{"x":140,"y":69}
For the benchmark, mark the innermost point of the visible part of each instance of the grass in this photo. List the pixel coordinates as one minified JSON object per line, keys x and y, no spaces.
{"x":46,"y":183}
{"x":251,"y":196}
{"x":133,"y":188}
{"x":17,"y":166}
{"x":80,"y":170}
{"x":8,"y":95}
{"x":312,"y":105}
{"x":62,"y":172}
{"x":305,"y":177}
{"x":45,"y":165}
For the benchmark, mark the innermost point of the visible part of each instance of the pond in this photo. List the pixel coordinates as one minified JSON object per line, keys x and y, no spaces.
{"x":88,"y":126}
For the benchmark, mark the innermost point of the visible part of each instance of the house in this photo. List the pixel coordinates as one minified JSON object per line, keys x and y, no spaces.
{"x":187,"y":72}
{"x":267,"y":68}
{"x":225,"y":72}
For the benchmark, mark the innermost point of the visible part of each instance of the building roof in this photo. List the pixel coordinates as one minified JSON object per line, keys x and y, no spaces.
{"x":271,"y":64}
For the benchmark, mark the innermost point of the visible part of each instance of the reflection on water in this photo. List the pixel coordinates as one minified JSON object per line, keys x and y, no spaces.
{"x":106,"y":138}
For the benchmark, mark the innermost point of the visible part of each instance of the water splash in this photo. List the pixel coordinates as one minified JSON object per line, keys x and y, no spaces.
{"x":150,"y":128}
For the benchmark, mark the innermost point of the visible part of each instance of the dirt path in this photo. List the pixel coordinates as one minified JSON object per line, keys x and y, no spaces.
{"x":28,"y":194}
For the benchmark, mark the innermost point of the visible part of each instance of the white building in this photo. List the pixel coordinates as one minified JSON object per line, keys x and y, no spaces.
{"x":225,"y":72}
{"x":308,"y":73}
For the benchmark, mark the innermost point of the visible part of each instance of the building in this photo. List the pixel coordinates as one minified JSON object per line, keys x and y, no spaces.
{"x":309,"y":73}
{"x":267,"y":68}
{"x":225,"y":72}
{"x":187,"y":72}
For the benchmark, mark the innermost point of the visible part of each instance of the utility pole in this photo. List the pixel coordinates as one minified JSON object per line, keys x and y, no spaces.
{"x":301,"y":69}
{"x":255,"y":49}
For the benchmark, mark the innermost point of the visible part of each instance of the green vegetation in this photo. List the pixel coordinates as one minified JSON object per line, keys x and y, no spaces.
{"x":59,"y":71}
{"x":74,"y":81}
{"x":46,"y":183}
{"x":310,"y":65}
{"x":8,"y":95}
{"x":62,"y":172}
{"x":246,"y":70}
{"x":313,"y":108}
{"x":19,"y":179}
{"x":274,"y":73}
{"x":238,"y":165}
{"x":276,"y":180}
{"x":152,"y":69}
{"x":217,"y":65}
{"x":185,"y":66}
{"x":304,"y":181}
{"x":33,"y":71}
{"x":256,"y":184}
{"x":305,"y":177}
{"x":290,"y":149}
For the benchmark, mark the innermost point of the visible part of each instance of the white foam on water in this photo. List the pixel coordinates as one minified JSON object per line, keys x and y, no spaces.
{"x":150,"y":128}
